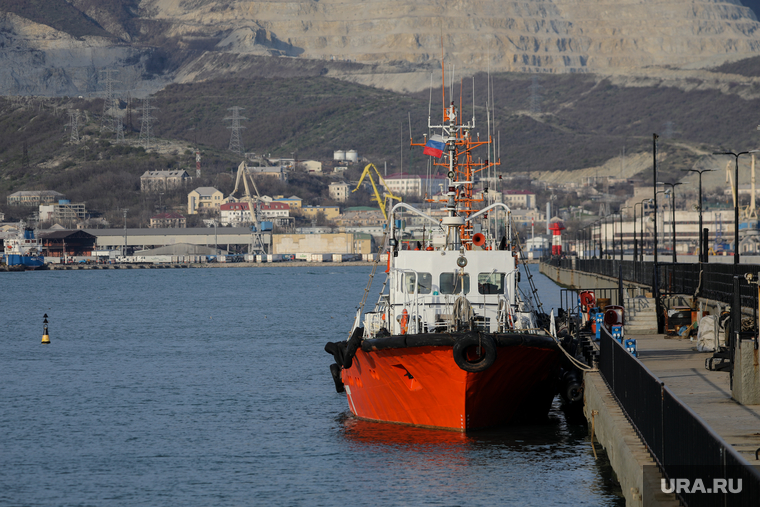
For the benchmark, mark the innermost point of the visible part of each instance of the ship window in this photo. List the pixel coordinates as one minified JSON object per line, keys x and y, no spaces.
{"x":453,"y":283}
{"x":424,"y":285}
{"x":491,"y":283}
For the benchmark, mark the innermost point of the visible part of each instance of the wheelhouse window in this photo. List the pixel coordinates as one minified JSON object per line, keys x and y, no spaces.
{"x":491,"y":283}
{"x":454,"y":283}
{"x":424,"y":284}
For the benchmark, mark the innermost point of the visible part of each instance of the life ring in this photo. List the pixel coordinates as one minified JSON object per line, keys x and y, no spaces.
{"x":466,"y":354}
{"x":404,"y":321}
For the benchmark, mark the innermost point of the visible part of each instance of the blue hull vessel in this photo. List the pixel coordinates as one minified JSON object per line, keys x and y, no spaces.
{"x":28,"y":261}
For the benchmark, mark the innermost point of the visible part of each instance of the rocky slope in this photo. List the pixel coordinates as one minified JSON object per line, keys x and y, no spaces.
{"x":394,"y":43}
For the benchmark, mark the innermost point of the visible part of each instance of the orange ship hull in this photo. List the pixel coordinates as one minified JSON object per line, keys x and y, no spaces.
{"x":423,"y":386}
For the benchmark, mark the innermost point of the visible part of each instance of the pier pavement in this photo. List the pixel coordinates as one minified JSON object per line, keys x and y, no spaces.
{"x":677,"y":363}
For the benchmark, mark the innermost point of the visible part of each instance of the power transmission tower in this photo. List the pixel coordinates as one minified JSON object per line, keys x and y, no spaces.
{"x":110,"y":120}
{"x":146,"y":124}
{"x":129,"y":111}
{"x":73,"y":126}
{"x":235,"y":144}
{"x":25,"y":156}
{"x":535,"y":98}
{"x":119,"y":130}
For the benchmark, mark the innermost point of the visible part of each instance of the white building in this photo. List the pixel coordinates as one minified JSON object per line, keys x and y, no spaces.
{"x":415,"y":185}
{"x":720,"y":225}
{"x":312,"y":166}
{"x":157,"y":181}
{"x":338,"y":191}
{"x":64,"y":210}
{"x":523,"y":199}
{"x":237,"y":213}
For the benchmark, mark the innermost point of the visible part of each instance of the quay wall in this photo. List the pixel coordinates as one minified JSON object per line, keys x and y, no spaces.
{"x":627,"y":453}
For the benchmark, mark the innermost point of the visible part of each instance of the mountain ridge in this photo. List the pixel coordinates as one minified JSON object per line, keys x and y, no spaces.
{"x":392,"y":44}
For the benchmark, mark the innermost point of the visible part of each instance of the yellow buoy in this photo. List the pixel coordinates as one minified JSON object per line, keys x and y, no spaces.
{"x":45,"y":335}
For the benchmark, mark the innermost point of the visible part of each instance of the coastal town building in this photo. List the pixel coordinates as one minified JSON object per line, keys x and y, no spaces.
{"x":312,"y":166}
{"x":360,"y":216}
{"x":294,"y":202}
{"x":161,"y":181}
{"x":276,"y":172}
{"x":34,"y":197}
{"x":204,"y":200}
{"x":170,"y":220}
{"x":67,"y":243}
{"x":62,"y":211}
{"x":237,"y":214}
{"x":311,"y":212}
{"x":338,"y":191}
{"x":523,"y":199}
{"x":415,"y":185}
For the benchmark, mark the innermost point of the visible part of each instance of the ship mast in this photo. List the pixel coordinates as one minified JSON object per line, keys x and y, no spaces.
{"x":460,"y":143}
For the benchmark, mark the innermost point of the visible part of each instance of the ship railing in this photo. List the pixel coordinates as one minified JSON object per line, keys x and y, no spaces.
{"x":505,"y":315}
{"x":412,"y":306}
{"x":373,"y":322}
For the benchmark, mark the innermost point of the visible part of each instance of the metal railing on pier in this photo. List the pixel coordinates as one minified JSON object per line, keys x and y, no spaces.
{"x":711,"y":281}
{"x":676,"y":436}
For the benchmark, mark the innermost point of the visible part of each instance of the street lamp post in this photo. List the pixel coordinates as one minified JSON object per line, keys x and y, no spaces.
{"x":598,"y":242}
{"x":654,"y":216}
{"x":736,"y":202}
{"x":621,"y":229}
{"x":125,"y":231}
{"x":673,"y":213}
{"x":699,"y":207}
{"x":635,"y":240}
{"x":599,"y":237}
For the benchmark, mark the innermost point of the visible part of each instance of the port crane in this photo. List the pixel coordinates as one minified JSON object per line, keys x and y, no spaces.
{"x":254,"y":206}
{"x":387,"y":194}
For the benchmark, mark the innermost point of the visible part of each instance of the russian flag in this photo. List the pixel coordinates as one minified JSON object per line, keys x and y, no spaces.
{"x":434,"y":147}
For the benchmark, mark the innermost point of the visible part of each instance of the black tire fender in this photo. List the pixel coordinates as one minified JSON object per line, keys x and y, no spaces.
{"x":335,"y":373}
{"x":487,"y":357}
{"x":353,"y":344}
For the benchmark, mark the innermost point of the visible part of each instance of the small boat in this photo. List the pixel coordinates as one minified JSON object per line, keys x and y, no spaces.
{"x":451,"y":342}
{"x":23,"y":250}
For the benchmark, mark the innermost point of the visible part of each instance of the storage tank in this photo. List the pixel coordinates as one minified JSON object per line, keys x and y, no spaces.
{"x":352,"y":156}
{"x":339,"y":155}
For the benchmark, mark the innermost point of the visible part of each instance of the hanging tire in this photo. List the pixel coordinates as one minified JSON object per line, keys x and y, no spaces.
{"x":335,"y":372}
{"x":474,"y":353}
{"x":352,"y":345}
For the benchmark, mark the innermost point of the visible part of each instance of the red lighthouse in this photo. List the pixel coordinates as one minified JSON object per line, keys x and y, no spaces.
{"x":556,"y":226}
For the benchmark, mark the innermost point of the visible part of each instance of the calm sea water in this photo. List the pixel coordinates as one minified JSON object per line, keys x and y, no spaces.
{"x":211,"y":387}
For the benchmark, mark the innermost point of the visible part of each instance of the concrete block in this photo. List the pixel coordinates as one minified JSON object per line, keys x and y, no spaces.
{"x":746,"y":387}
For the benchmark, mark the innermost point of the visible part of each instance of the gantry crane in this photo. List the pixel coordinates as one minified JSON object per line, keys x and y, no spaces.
{"x":387,"y":194}
{"x":254,"y":203}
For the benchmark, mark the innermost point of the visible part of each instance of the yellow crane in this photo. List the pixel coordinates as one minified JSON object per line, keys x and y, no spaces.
{"x":387,"y":194}
{"x":257,"y":236}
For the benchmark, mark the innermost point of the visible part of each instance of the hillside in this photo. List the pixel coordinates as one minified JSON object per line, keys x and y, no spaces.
{"x":579,"y":122}
{"x":58,"y":47}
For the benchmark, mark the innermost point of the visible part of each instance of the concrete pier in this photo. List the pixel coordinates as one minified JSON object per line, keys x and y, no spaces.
{"x":678,"y":364}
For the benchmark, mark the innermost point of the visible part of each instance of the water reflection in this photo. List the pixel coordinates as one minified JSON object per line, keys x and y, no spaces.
{"x":456,"y":466}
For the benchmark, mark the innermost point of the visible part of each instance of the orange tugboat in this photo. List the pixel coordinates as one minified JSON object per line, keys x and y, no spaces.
{"x":451,"y":343}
